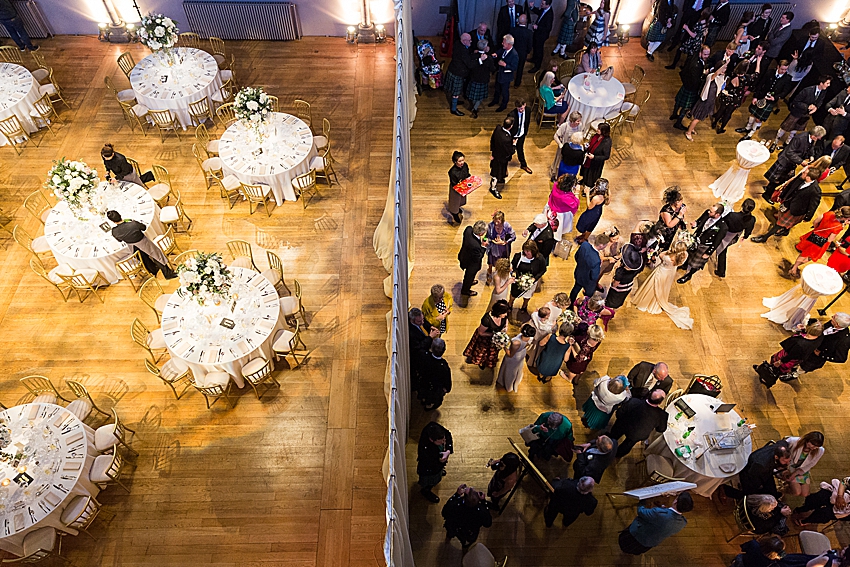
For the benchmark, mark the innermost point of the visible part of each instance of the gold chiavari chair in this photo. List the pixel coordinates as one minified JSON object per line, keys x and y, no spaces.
{"x":224,"y":94}
{"x":228,"y":72}
{"x":323,"y":140}
{"x":135,"y":114}
{"x":200,"y":111}
{"x":108,"y":469}
{"x":210,"y":166}
{"x":226,"y":114}
{"x":149,"y":340}
{"x":577,"y":56}
{"x":82,"y":393}
{"x":165,"y":121}
{"x":133,"y":269}
{"x":126,"y":63}
{"x":44,"y":113}
{"x":183,"y":256}
{"x":260,"y":194}
{"x":39,"y":545}
{"x":127,"y":95}
{"x":51,"y":88}
{"x":106,"y":436}
{"x":85,"y":283}
{"x":302,"y":110}
{"x":51,"y":277}
{"x":202,"y":136}
{"x":217,"y":48}
{"x":216,"y":386}
{"x":80,"y":514}
{"x":167,"y":242}
{"x":161,"y":190}
{"x":635,"y":81}
{"x":275,"y":272}
{"x":229,"y":188}
{"x":275,"y":103}
{"x":566,"y":70}
{"x":136,"y":167}
{"x":291,"y":306}
{"x":286,"y":343}
{"x":172,"y":377}
{"x":189,"y":39}
{"x":151,"y":294}
{"x":634,"y":112}
{"x":243,"y":255}
{"x":543,"y":117}
{"x":11,"y":54}
{"x":324,"y":168}
{"x":257,"y":372}
{"x":41,"y":72}
{"x":35,"y":246}
{"x":38,"y":206}
{"x":306,"y":185}
{"x":13,"y":131}
{"x":174,"y":215}
{"x":42,"y":389}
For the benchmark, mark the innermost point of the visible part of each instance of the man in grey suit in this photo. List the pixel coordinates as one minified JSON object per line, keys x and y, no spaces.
{"x":779,"y":37}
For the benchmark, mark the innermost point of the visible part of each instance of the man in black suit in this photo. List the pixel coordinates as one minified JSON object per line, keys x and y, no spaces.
{"x":693,"y":78}
{"x":523,"y":44}
{"x":470,"y":255}
{"x":572,"y":498}
{"x":833,"y":348}
{"x":759,"y":474}
{"x":637,"y":418}
{"x":501,"y":151}
{"x":458,"y":71}
{"x":508,"y":18}
{"x":758,"y":62}
{"x":519,"y":130}
{"x":542,"y":29}
{"x":506,"y":70}
{"x":837,"y":115}
{"x":420,"y":334}
{"x":799,"y":151}
{"x":645,"y":377}
{"x":710,"y":230}
{"x":840,"y":154}
{"x":761,"y":25}
{"x":800,"y":199}
{"x":805,"y":103}
{"x":483,"y":32}
{"x":773,"y":86}
{"x":809,"y":48}
{"x":593,"y":458}
{"x":540,"y":231}
{"x":717,"y":21}
{"x":779,"y":36}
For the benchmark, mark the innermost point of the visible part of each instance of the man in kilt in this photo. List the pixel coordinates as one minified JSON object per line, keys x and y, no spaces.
{"x":710,"y":232}
{"x":693,"y":77}
{"x":458,"y":71}
{"x":479,"y":76}
{"x":799,"y":151}
{"x":805,"y":103}
{"x":800,"y":199}
{"x":665,"y":16}
{"x":567,"y":33}
{"x":771,"y":87}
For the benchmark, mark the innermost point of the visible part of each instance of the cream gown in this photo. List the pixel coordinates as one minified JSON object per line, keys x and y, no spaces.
{"x":652,"y":295}
{"x":512,"y":368}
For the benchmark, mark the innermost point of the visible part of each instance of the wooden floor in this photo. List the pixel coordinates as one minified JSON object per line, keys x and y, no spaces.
{"x":295,"y":479}
{"x":728,"y":336}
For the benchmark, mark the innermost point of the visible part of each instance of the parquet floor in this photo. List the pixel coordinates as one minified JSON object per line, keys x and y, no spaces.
{"x":728,"y":336}
{"x":293,"y":480}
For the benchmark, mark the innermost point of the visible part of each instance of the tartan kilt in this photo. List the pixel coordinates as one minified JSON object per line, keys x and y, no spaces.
{"x":784,"y":219}
{"x":762,"y":114}
{"x":696,"y":261}
{"x":567,"y":33}
{"x":686,"y":98}
{"x":657,"y":31}
{"x":453,"y":84}
{"x":794,"y":123}
{"x":778,"y":174}
{"x":477,"y":91}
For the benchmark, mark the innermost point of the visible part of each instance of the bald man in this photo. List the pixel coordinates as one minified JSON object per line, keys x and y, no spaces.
{"x":646,"y":376}
{"x":458,"y":71}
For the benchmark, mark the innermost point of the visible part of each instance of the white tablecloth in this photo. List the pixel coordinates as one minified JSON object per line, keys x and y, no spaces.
{"x":161,"y":85}
{"x":792,"y":307}
{"x":84,"y":244}
{"x":18,"y":92}
{"x":57,"y":452}
{"x":194,"y":334}
{"x":287,"y":149}
{"x":594,"y":98}
{"x":705,"y":471}
{"x":730,"y":186}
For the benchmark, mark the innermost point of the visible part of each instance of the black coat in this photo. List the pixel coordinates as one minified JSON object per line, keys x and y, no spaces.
{"x":592,"y":464}
{"x":464,"y":522}
{"x":572,"y":156}
{"x":838,"y":159}
{"x":545,"y":240}
{"x":769,"y":83}
{"x":481,"y":70}
{"x":777,"y":39}
{"x":758,"y":29}
{"x":637,"y":419}
{"x":523,"y":42}
{"x":118,"y":166}
{"x":435,"y":379}
{"x":738,"y":222}
{"x":800,"y":148}
{"x":841,"y":200}
{"x":502,"y":144}
{"x":488,"y":36}
{"x":639,"y":376}
{"x":503,"y":20}
{"x":836,"y":125}
{"x":537,"y":266}
{"x":544,"y":26}
{"x":720,"y":15}
{"x":462,"y":60}
{"x":833,"y":348}
{"x":716,"y":61}
{"x":471,"y":252}
{"x":527,"y":119}
{"x":800,"y":105}
{"x":693,"y":75}
{"x":798,"y":348}
{"x":507,"y":72}
{"x":757,"y":476}
{"x":799,"y":200}
{"x":428,"y":454}
{"x":569,"y":501}
{"x":812,"y":54}
{"x":712,"y":236}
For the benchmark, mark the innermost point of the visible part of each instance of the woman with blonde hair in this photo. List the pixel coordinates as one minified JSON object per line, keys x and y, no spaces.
{"x":570,"y":126}
{"x":553,"y":104}
{"x":767,"y":514}
{"x":582,"y":351}
{"x":502,"y":281}
{"x":437,"y":308}
{"x":608,"y":244}
{"x":652,"y":296}
{"x":814,"y":243}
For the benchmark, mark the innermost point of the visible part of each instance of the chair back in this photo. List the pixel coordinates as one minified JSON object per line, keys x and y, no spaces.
{"x":275,"y":263}
{"x":202,"y":135}
{"x":37,"y":204}
{"x":167,"y":242}
{"x":37,"y":267}
{"x":109,"y":85}
{"x":632,"y":118}
{"x":140,"y":334}
{"x":217,"y":45}
{"x":672,"y":397}
{"x":274,"y":102}
{"x":136,"y":166}
{"x":164,"y":119}
{"x":240,"y":248}
{"x":259,"y":376}
{"x":302,"y":110}
{"x":226,"y":114}
{"x":742,"y":516}
{"x":306,"y":181}
{"x":153,"y":368}
{"x":119,"y":431}
{"x":189,"y":39}
{"x":180,"y":258}
{"x":79,"y":390}
{"x":160,"y":174}
{"x":86,"y":516}
{"x":114,"y":469}
{"x":566,"y":69}
{"x":253,"y":193}
{"x":577,"y":56}
{"x":132,"y":266}
{"x":12,"y":129}
{"x":23,"y":238}
{"x":149,"y":292}
{"x":326,"y":129}
{"x":637,"y":76}
{"x":126,"y":63}
{"x":226,"y":91}
{"x":44,"y":107}
{"x":39,"y":385}
{"x":11,"y":54}
{"x":200,"y":109}
{"x":39,"y":59}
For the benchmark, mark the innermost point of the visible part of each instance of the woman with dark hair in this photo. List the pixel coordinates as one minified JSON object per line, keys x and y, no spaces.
{"x":672,"y":216}
{"x":591,"y":60}
{"x":501,"y":235}
{"x":562,"y":205}
{"x":732,"y":95}
{"x":814,"y":243}
{"x":572,"y":155}
{"x":830,"y":503}
{"x":597,"y":198}
{"x":481,"y":350}
{"x":505,"y":478}
{"x":742,"y":38}
{"x":555,"y":350}
{"x":694,"y":33}
{"x":705,"y":105}
{"x":117,"y":165}
{"x":132,"y":233}
{"x":794,"y":350}
{"x":513,"y":364}
{"x":528,"y":262}
{"x":598,"y":152}
{"x":458,"y":172}
{"x":806,"y":451}
{"x":435,"y":446}
{"x":764,"y":552}
{"x":597,"y":32}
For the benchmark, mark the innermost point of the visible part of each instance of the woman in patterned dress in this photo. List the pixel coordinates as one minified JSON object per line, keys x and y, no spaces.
{"x":597,"y":32}
{"x":481,"y":350}
{"x":732,"y":95}
{"x":587,"y":345}
{"x":501,"y":235}
{"x":695,"y":31}
{"x":671,"y":217}
{"x":437,"y":308}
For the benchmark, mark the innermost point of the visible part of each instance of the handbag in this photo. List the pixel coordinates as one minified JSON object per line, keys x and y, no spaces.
{"x":816,"y":239}
{"x":563,"y":248}
{"x":767,"y":373}
{"x":528,"y":435}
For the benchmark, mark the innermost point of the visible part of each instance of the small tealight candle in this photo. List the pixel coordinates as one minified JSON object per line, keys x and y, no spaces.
{"x":6,"y":482}
{"x":22,"y":469}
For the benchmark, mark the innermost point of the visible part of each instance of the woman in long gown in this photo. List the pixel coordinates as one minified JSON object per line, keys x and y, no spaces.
{"x":544,"y":323}
{"x":652,"y":295}
{"x":502,"y":281}
{"x":458,"y":172}
{"x":606,"y":395}
{"x":597,"y":198}
{"x":513,"y":364}
{"x":672,"y":216}
{"x":562,"y":205}
{"x":481,"y":350}
{"x":556,"y":351}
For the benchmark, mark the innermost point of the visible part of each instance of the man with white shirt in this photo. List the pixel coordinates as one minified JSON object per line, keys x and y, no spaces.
{"x":508,"y":18}
{"x":758,"y":61}
{"x":710,"y":230}
{"x":780,"y":36}
{"x":773,"y":86}
{"x":501,"y":151}
{"x":839,"y":153}
{"x":800,"y":199}
{"x":522,"y":119}
{"x":804,"y":104}
{"x":542,"y":28}
{"x":506,"y":69}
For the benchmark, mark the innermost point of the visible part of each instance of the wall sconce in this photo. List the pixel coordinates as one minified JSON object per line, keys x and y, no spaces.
{"x":623,"y":34}
{"x":103,"y":31}
{"x":132,"y":33}
{"x":380,"y":33}
{"x":350,"y":34}
{"x":832,"y":31}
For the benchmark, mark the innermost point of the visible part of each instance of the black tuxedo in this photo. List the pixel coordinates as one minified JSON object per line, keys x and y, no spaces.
{"x":833,"y":348}
{"x":757,"y":476}
{"x":545,"y":240}
{"x":541,"y":34}
{"x":769,"y":83}
{"x":754,"y":64}
{"x":719,"y":18}
{"x":567,"y":500}
{"x":515,"y":129}
{"x":836,"y":125}
{"x":798,"y":149}
{"x":502,"y":149}
{"x":758,"y":29}
{"x":808,"y":96}
{"x":799,"y":200}
{"x":642,"y":381}
{"x":593,"y":464}
{"x":707,"y":241}
{"x":810,"y":55}
{"x":503,"y":21}
{"x":716,"y":60}
{"x":693,"y":74}
{"x":523,"y":44}
{"x":469,"y":257}
{"x":636,"y":419}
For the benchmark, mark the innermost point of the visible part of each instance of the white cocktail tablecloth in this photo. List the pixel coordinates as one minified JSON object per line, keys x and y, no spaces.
{"x":194,"y":334}
{"x":705,"y":471}
{"x":596,"y":99}
{"x":792,"y":307}
{"x":18,"y":92}
{"x":57,"y":450}
{"x":160,"y":85}
{"x":287,"y":149}
{"x":731,"y":186}
{"x":84,"y":244}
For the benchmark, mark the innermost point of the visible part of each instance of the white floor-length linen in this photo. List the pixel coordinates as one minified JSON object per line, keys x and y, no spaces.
{"x":594,"y":97}
{"x":731,"y":186}
{"x":18,"y":93}
{"x":792,"y":307}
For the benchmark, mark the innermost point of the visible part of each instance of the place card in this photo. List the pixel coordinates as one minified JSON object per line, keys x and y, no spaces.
{"x":72,"y":465}
{"x":227,"y":323}
{"x":23,"y":479}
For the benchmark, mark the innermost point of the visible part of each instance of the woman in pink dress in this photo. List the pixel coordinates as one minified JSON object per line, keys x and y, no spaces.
{"x":562,"y":205}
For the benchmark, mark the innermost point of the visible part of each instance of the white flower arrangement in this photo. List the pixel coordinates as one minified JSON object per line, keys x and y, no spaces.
{"x":687,"y":238}
{"x":5,"y":436}
{"x":501,"y":339}
{"x":252,"y":105}
{"x":204,"y":277}
{"x":73,"y":182}
{"x":158,"y":32}
{"x":524,"y":282}
{"x":568,"y":316}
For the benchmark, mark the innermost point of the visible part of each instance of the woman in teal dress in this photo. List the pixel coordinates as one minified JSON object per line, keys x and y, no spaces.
{"x":555,"y":351}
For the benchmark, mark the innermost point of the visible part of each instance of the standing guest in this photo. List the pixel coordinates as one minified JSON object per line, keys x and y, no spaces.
{"x":470,"y":255}
{"x":506,"y":69}
{"x":481,"y":350}
{"x":597,"y":32}
{"x":551,"y":428}
{"x":465,"y":513}
{"x":117,"y":165}
{"x":690,"y":12}
{"x":839,"y":260}
{"x":505,"y":477}
{"x":594,"y":457}
{"x":696,"y":30}
{"x":706,"y":104}
{"x":644,"y":377}
{"x":513,"y":364}
{"x":591,"y":60}
{"x":529,"y":261}
{"x":759,"y":474}
{"x":542,"y":30}
{"x":479,"y":76}
{"x":839,"y":155}
{"x":500,"y":236}
{"x":726,"y":57}
{"x":572,"y":498}
{"x":779,"y":36}
{"x":458,"y":172}
{"x":592,"y":309}
{"x":501,"y":151}
{"x":771,"y":87}
{"x":717,"y":21}
{"x":558,"y":304}
{"x":420,"y":336}
{"x":437,"y":307}
{"x":630,"y":265}
{"x":458,"y":71}
{"x":637,"y":418}
{"x":804,"y":104}
{"x":597,"y":198}
{"x":563,"y":135}
{"x":435,"y":446}
{"x":731,"y":97}
{"x":742,"y":37}
{"x":710,"y":230}
{"x":586,"y":272}
{"x":806,"y":451}
{"x":795,"y":349}
{"x":693,"y":76}
{"x":572,"y":155}
{"x":608,"y":244}
{"x":806,"y":51}
{"x":799,"y":151}
{"x":502,"y":280}
{"x":653,"y":525}
{"x":553,"y":104}
{"x":830,"y":503}
{"x":522,"y":119}
{"x":662,"y":20}
{"x":767,"y":514}
{"x":834,"y":346}
{"x":800,"y":199}
{"x":580,"y":357}
{"x":567,"y":33}
{"x":436,"y":377}
{"x":523,"y":44}
{"x":540,"y":231}
{"x":132,"y":233}
{"x":607,"y":393}
{"x":838,"y":115}
{"x":653,"y":295}
{"x":598,"y":152}
{"x":554,"y":351}
{"x":814,"y":243}
{"x":762,"y":552}
{"x":737,"y":223}
{"x":672,"y":216}
{"x":757,"y":63}
{"x":562,"y":205}
{"x":508,"y":18}
{"x":14,"y":26}
{"x":482,"y":33}
{"x":544,"y":323}
{"x":761,"y":25}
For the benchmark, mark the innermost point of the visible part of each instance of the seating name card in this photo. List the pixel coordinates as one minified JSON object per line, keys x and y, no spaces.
{"x":23,"y":479}
{"x":227,"y":323}
{"x":105,"y":227}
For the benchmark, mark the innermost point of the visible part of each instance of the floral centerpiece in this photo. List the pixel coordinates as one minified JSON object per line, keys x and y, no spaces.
{"x":5,"y":436}
{"x":568,"y":316}
{"x":252,"y":105}
{"x":158,"y":32}
{"x":204,"y":277}
{"x":524,"y":282}
{"x":73,"y":182}
{"x":501,"y":339}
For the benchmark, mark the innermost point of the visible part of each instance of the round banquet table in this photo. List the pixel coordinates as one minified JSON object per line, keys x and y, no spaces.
{"x":18,"y":92}
{"x":193,"y":333}
{"x":792,"y":307}
{"x":57,"y":451}
{"x":160,"y":85}
{"x":597,"y":99}
{"x":84,"y":244}
{"x":730,"y":186}
{"x":705,"y":471}
{"x":284,"y":154}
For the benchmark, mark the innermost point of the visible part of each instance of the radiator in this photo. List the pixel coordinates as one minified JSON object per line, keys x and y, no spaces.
{"x":35,"y":24}
{"x":243,"y":20}
{"x":728,"y":31}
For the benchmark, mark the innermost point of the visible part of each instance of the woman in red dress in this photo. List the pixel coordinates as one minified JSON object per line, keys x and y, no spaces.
{"x":814,"y":243}
{"x":840,"y":258}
